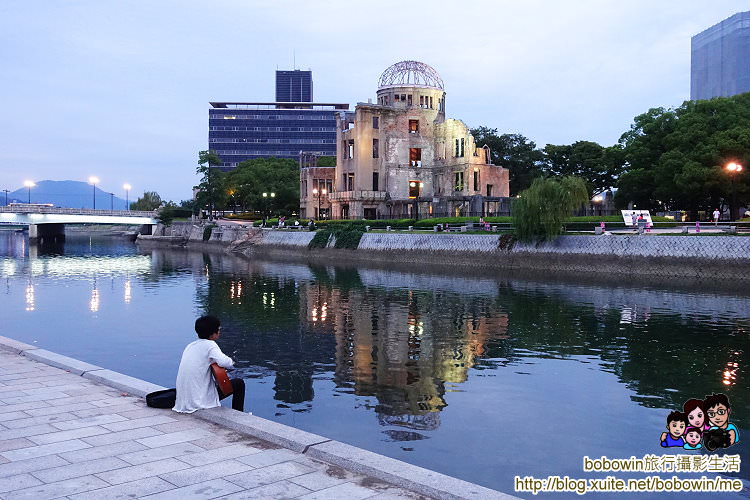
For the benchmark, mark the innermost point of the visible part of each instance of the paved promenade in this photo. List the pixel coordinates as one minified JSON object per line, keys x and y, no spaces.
{"x":65,"y":436}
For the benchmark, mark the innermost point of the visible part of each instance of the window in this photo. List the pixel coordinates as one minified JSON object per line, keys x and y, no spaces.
{"x":456,"y":153}
{"x":371,"y":213}
{"x":414,"y":189}
{"x":403,"y":97}
{"x":409,"y":99}
{"x":415,"y":157}
{"x":476,"y":180}
{"x":431,"y":103}
{"x":344,"y":150}
{"x":350,"y":182}
{"x":413,"y":126}
{"x":351,"y":148}
{"x":375,"y":144}
{"x":458,"y":184}
{"x":489,"y":189}
{"x":396,"y":98}
{"x":421,"y":101}
{"x":375,"y":181}
{"x":375,"y":122}
{"x":462,"y":147}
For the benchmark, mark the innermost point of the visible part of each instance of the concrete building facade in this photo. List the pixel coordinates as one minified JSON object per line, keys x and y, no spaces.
{"x":401,"y":156}
{"x":720,"y":59}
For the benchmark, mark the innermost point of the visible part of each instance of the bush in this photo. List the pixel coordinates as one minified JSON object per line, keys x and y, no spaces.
{"x":320,"y":240}
{"x":207,"y":231}
{"x":166,"y":216}
{"x":540,"y":211}
{"x":347,"y":236}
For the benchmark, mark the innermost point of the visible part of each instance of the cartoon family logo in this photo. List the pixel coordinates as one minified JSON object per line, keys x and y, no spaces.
{"x":689,"y":429}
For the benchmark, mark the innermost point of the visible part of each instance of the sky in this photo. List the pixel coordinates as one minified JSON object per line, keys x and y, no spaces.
{"x":119,"y":89}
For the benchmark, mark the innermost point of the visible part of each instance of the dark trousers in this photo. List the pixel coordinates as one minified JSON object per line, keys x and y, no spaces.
{"x":238,"y":394}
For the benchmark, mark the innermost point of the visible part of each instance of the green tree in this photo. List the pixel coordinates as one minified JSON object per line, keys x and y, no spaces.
{"x":211,"y":189}
{"x":514,"y":152}
{"x":166,"y":215}
{"x":599,"y":166}
{"x":540,"y":211}
{"x":327,"y":161}
{"x":252,"y":178}
{"x":676,"y":158}
{"x":149,"y":201}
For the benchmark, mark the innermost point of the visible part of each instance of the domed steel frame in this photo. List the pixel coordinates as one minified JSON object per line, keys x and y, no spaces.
{"x":410,"y":73}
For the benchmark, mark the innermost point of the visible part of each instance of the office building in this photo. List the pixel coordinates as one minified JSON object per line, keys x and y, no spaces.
{"x":294,"y":86}
{"x":720,"y":59}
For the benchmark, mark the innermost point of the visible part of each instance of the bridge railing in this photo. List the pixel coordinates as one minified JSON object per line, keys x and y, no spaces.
{"x":17,"y":209}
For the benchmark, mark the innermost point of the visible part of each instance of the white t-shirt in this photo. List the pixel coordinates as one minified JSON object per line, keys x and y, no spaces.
{"x":196,"y":388}
{"x":716,"y":215}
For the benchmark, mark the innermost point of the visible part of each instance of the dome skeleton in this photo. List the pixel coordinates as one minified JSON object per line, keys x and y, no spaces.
{"x":410,"y":73}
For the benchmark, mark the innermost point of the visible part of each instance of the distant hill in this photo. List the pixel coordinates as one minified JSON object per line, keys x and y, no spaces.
{"x":70,"y":194}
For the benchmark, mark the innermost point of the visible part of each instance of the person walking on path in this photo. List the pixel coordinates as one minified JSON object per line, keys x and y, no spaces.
{"x":195,"y":385}
{"x":716,"y":215}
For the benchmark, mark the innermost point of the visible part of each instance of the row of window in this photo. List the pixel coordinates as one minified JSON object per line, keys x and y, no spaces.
{"x":425,"y":101}
{"x":265,"y":154}
{"x":274,"y":129}
{"x":269,"y":117}
{"x":415,"y":154}
{"x":272,"y":141}
{"x":414,"y":186}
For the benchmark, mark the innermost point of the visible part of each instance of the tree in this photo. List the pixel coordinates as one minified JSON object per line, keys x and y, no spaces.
{"x":326,"y":161}
{"x":149,"y":201}
{"x":676,"y":158}
{"x":540,"y":211}
{"x":252,"y":178}
{"x":514,"y":152}
{"x":211,"y":190}
{"x":599,"y":166}
{"x":166,"y":215}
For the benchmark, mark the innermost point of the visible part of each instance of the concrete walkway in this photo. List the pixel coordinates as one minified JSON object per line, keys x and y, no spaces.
{"x":62,"y":435}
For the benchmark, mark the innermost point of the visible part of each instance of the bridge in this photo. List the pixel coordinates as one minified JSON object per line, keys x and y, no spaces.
{"x":48,"y":221}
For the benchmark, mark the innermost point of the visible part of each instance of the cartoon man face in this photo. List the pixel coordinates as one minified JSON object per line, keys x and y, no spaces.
{"x":693,"y":437}
{"x":676,"y":428}
{"x":718,"y":415}
{"x":696,"y":418}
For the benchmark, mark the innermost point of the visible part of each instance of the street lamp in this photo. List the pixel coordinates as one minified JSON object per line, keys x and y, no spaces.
{"x":29,"y":184}
{"x":319,"y":192}
{"x":94,"y":181}
{"x":111,"y":201}
{"x":267,"y":202}
{"x":733,"y":168}
{"x":127,"y":187}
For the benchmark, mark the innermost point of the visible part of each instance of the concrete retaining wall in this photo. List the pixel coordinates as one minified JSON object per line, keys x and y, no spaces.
{"x":702,"y":257}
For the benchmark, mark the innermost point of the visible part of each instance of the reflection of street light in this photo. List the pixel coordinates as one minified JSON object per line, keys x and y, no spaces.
{"x":266,"y":202}
{"x":94,"y":181}
{"x":126,"y":187}
{"x":319,"y":192}
{"x":29,"y":184}
{"x":733,"y":168}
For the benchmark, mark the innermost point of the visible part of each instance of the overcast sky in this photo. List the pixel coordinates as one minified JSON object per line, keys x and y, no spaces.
{"x":120,"y":89}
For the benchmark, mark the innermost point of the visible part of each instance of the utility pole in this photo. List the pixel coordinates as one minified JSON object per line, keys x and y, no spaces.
{"x":6,"y":191}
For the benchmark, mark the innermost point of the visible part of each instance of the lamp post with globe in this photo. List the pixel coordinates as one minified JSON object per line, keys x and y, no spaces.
{"x":29,"y":185}
{"x":734,"y":169}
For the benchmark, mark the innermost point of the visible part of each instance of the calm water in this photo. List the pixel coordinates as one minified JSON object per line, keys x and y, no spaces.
{"x":478,"y":377}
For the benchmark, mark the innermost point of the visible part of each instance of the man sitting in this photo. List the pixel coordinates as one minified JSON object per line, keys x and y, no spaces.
{"x":195,"y":384}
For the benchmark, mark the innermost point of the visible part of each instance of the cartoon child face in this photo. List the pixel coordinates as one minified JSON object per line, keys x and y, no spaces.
{"x":696,"y":418}
{"x":676,"y":428}
{"x":692,"y":437}
{"x":718,"y":415}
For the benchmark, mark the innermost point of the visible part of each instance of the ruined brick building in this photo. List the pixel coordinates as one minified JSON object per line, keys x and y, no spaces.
{"x":401,"y":157}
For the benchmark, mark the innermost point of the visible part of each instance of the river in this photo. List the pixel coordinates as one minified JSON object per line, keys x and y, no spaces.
{"x":480,"y":376}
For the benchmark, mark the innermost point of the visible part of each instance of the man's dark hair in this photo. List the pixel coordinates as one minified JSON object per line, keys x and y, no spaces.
{"x":205,"y":326}
{"x":716,"y":399}
{"x":692,"y":404}
{"x":677,"y":415}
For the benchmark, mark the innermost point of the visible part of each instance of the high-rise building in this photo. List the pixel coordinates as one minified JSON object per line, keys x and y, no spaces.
{"x":720,"y":59}
{"x":294,"y":86}
{"x":239,"y":131}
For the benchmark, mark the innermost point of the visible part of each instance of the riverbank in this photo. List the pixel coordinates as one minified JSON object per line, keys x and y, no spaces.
{"x":75,"y":429}
{"x":646,"y":255}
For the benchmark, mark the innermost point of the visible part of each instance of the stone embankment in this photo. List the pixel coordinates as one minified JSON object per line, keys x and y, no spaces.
{"x":703,"y":257}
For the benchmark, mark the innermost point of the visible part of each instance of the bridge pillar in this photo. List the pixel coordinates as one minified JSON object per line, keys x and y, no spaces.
{"x":147,"y":229}
{"x":46,"y":231}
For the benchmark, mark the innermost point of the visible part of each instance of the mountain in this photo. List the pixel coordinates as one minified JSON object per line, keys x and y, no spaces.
{"x":71,"y":194}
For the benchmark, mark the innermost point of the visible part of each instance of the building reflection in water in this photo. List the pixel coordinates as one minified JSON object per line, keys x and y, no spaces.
{"x":94,"y":302}
{"x":127,"y":293}
{"x":30,"y":296}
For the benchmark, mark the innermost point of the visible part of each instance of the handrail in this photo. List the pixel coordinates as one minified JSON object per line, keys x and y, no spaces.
{"x":75,"y":211}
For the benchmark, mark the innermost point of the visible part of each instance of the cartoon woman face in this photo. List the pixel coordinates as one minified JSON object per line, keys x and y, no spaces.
{"x":696,"y":418}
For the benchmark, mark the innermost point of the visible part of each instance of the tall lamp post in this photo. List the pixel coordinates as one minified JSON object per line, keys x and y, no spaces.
{"x":733,"y":168}
{"x":319,"y":193}
{"x":127,"y":187}
{"x":29,"y":185}
{"x":6,"y":191}
{"x":267,"y":202}
{"x":111,"y":201}
{"x":94,"y":181}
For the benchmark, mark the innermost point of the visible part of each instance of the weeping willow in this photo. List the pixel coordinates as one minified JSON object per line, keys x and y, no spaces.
{"x":540,"y":211}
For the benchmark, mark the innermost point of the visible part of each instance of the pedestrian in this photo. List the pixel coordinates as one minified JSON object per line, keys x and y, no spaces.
{"x":196,"y":388}
{"x":716,"y":214}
